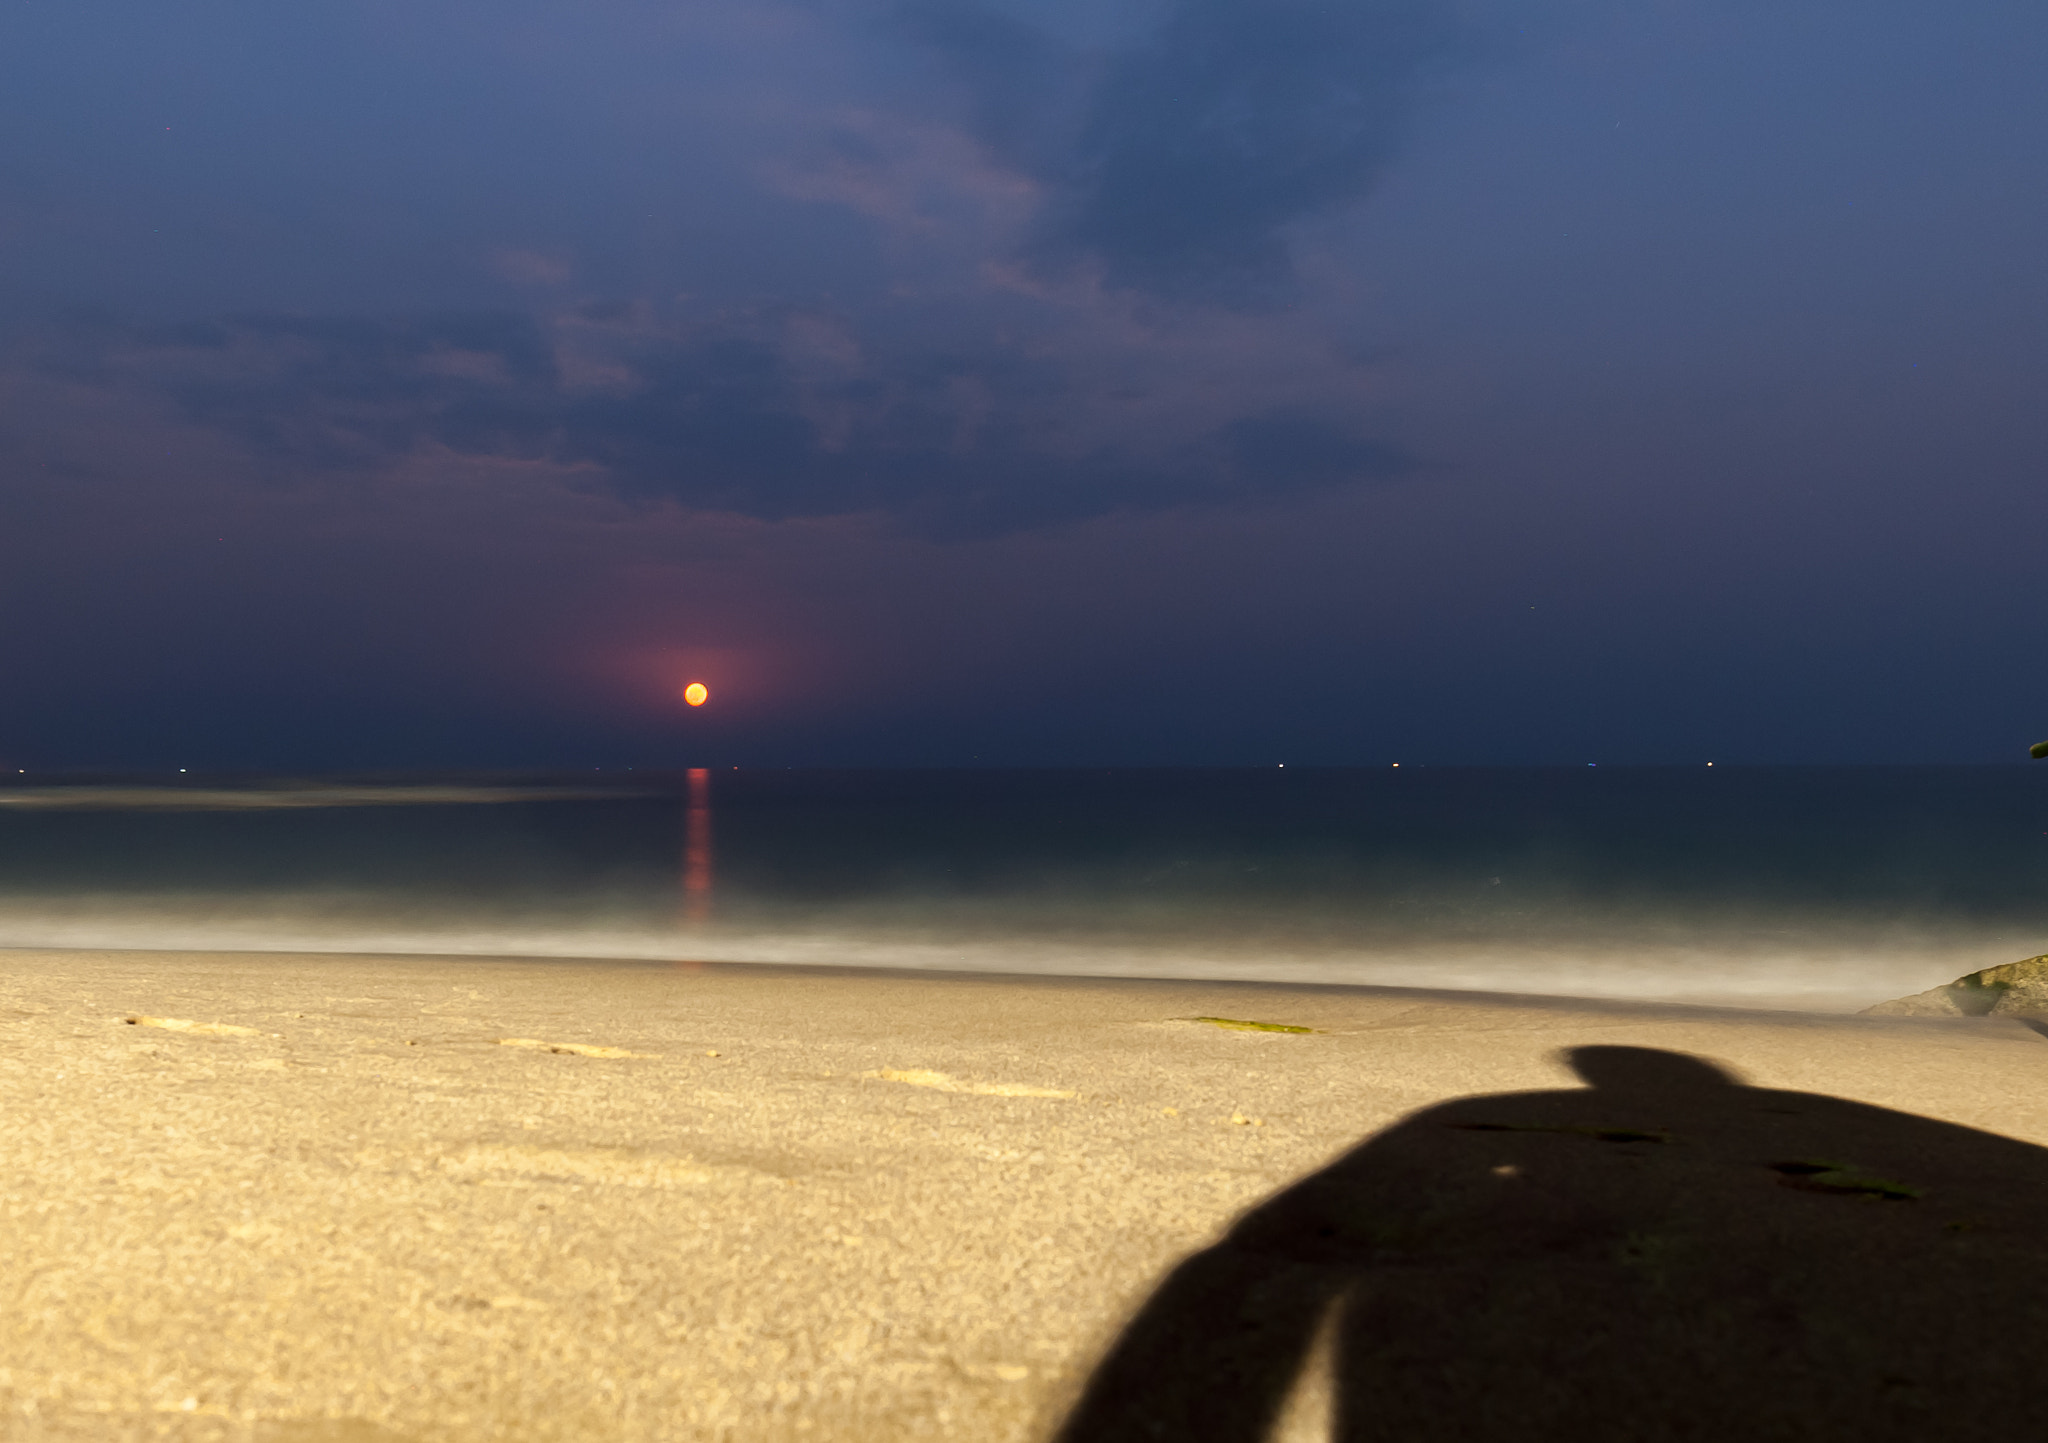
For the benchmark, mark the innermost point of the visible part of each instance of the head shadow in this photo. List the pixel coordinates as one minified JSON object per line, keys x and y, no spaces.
{"x":1644,"y":1070}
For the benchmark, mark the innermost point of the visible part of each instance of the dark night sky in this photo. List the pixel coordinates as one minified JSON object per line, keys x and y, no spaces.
{"x":445,"y":382}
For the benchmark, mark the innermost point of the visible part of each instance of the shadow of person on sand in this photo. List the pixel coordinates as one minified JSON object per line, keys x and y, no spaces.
{"x":1663,"y":1254}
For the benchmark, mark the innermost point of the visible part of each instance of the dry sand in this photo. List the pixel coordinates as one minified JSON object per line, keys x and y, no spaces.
{"x":352,"y":1198}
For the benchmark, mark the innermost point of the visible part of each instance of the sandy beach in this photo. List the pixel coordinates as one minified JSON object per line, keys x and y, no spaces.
{"x":351,"y":1198}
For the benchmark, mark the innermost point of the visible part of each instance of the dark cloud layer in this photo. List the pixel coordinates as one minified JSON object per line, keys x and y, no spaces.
{"x":728,"y":415}
{"x":1178,"y":161}
{"x":1168,"y":164}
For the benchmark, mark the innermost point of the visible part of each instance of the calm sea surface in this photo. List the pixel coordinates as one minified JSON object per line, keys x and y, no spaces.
{"x":1820,"y":887}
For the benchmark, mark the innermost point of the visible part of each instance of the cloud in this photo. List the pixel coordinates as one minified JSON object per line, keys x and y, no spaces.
{"x":1306,"y":450}
{"x":1024,"y":86}
{"x":841,"y":297}
{"x":1177,"y":162}
{"x":775,"y":413}
{"x":334,"y":393}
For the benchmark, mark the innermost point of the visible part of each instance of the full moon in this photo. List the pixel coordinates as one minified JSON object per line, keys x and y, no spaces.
{"x":696,"y":693}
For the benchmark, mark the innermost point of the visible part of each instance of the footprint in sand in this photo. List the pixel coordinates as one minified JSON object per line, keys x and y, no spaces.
{"x":574,"y":1049}
{"x":945,"y":1082}
{"x":619,"y":1166}
{"x":186,"y":1024}
{"x":1240,"y":1024}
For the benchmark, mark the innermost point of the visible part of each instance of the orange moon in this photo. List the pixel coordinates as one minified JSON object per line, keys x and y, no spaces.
{"x":696,"y":693}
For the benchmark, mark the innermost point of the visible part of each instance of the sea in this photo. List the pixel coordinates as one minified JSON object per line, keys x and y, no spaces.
{"x":1813,"y":888}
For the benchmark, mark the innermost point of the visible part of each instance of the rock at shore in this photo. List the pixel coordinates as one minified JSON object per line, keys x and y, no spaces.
{"x":2017,"y":989}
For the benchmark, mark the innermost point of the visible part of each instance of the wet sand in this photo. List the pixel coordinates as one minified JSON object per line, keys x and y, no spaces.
{"x":353,"y":1198}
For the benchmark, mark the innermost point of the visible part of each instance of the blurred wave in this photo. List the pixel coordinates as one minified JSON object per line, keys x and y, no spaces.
{"x":1826,"y":888}
{"x":270,"y":797}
